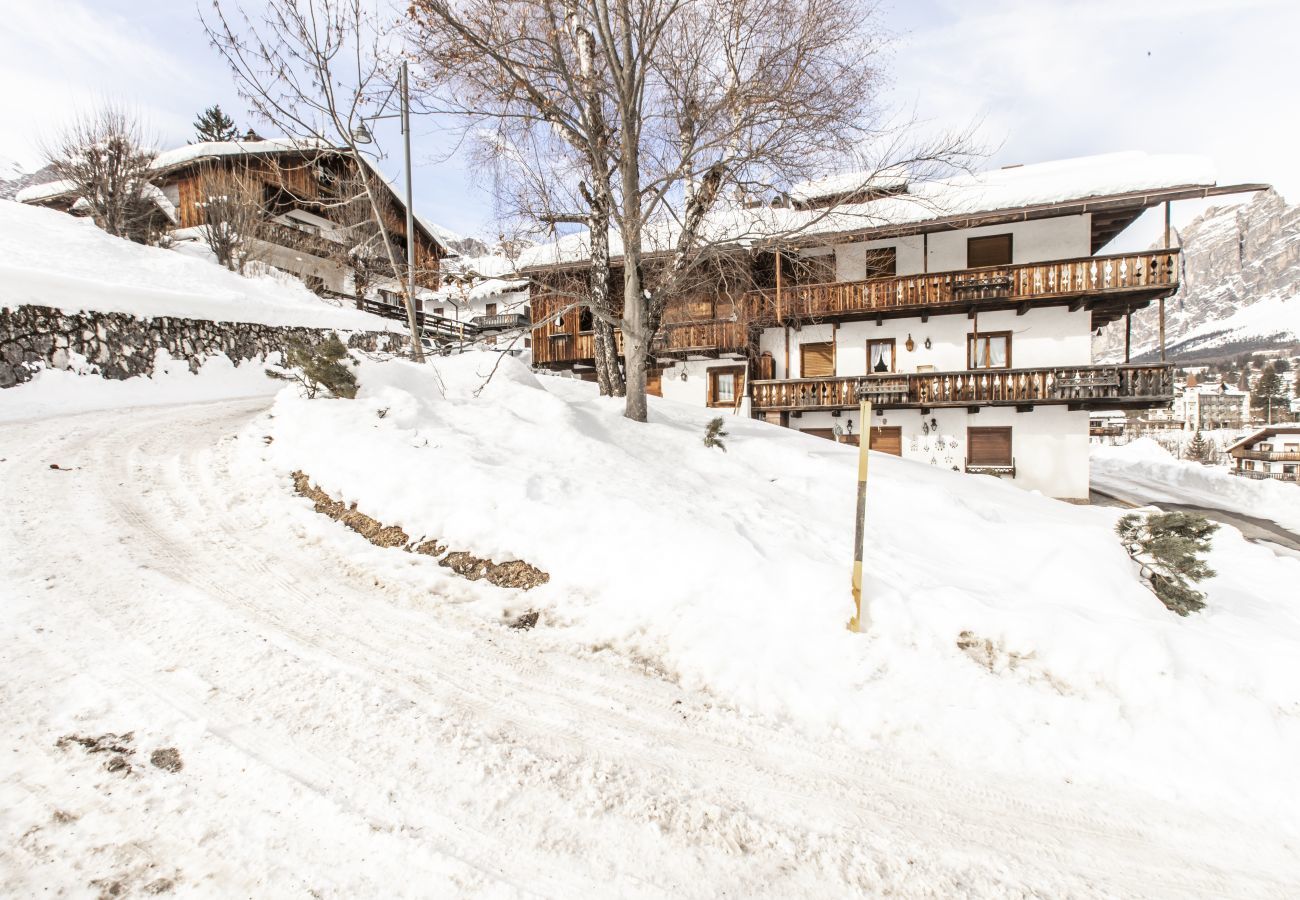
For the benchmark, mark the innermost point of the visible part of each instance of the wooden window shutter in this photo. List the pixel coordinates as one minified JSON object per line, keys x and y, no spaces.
{"x":988,"y":446}
{"x":817,"y":360}
{"x":991,"y":250}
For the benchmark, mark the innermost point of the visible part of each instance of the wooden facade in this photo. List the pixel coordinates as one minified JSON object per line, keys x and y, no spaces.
{"x":308,"y":180}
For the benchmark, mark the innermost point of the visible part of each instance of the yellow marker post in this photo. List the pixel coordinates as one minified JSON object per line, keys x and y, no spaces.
{"x":861,"y":621}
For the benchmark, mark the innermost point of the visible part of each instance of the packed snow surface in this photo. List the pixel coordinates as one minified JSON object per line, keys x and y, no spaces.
{"x":730,"y":570}
{"x":688,"y":718}
{"x":1145,"y":468}
{"x":48,"y":258}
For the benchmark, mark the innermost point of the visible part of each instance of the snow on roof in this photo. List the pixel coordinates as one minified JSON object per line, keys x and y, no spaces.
{"x":48,"y":190}
{"x":1269,"y":431}
{"x":966,"y":194}
{"x":189,"y":153}
{"x":891,"y":179}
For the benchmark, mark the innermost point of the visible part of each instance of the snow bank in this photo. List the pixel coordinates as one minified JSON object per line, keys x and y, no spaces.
{"x":54,"y":392}
{"x":1144,"y":467}
{"x":49,"y":258}
{"x":730,"y":572}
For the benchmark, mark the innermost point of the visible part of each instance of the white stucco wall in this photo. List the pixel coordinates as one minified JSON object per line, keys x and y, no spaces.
{"x":1040,"y":240}
{"x":1049,"y":444}
{"x":695,"y":389}
{"x":1048,"y":336}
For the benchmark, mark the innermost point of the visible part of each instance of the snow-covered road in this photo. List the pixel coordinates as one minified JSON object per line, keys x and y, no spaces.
{"x":345,"y":734}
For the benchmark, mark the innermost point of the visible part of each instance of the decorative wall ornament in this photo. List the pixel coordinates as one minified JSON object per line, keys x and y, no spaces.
{"x":927,"y":344}
{"x":909,"y":344}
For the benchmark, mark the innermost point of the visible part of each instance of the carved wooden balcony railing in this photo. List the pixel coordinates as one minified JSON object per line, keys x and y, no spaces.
{"x":1273,"y":455}
{"x":1090,"y":386}
{"x":1093,"y":275}
{"x":1259,"y":476}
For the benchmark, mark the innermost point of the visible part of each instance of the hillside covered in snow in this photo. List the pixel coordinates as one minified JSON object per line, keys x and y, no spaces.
{"x":49,"y":258}
{"x":1011,"y":631}
{"x":1240,"y":288}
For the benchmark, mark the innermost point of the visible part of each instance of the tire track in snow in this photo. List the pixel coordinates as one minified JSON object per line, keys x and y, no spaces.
{"x":748,"y":787}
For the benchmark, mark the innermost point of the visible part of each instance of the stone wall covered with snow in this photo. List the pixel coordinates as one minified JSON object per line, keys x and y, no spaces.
{"x":117,"y":345}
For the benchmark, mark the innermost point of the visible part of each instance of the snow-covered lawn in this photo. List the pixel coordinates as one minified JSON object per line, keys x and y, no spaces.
{"x":689,"y":717}
{"x":49,"y":258}
{"x":729,"y":572}
{"x":1147,"y":470}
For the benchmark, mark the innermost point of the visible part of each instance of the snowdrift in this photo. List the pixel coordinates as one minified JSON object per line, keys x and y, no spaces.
{"x":1150,"y":470}
{"x":730,"y":573}
{"x":49,"y":258}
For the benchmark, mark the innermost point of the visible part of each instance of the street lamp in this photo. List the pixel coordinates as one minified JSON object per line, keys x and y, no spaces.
{"x":361,"y":135}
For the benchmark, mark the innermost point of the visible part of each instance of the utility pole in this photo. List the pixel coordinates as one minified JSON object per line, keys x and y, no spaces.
{"x":418,"y":349}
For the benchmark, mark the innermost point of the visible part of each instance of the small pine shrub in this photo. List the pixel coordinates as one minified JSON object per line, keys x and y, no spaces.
{"x":1198,"y":448}
{"x":1168,"y":547}
{"x":713,"y":434}
{"x":324,"y":365}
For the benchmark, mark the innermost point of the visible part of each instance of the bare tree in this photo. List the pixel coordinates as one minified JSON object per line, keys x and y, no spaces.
{"x":687,"y":114}
{"x":234,"y":222}
{"x":105,"y":158}
{"x":317,"y":70}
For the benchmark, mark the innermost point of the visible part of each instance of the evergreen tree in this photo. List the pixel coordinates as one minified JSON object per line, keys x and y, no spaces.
{"x":1270,"y":393}
{"x":714,"y":434}
{"x":320,"y":366}
{"x":214,"y":125}
{"x":1244,"y":381}
{"x":1168,"y":547}
{"x":1197,"y":448}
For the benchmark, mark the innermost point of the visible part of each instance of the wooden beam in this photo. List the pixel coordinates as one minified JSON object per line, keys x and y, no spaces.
{"x":1022,"y":309}
{"x":1128,"y":335}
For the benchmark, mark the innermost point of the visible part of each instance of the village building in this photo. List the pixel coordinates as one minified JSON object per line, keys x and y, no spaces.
{"x":1272,"y":452}
{"x":485,"y":301}
{"x":963,"y":308}
{"x":1207,"y":407}
{"x":314,"y":223}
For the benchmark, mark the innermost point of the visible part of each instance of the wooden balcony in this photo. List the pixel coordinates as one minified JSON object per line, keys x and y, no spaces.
{"x":1081,"y":387}
{"x":1105,"y":283}
{"x":500,"y":322}
{"x":1268,"y":455}
{"x":1266,"y":476}
{"x":710,"y":339}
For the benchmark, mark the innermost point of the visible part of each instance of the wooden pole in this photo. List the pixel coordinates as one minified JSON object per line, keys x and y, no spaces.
{"x":1128,"y":333}
{"x":778,"y":289}
{"x":861,"y":621}
{"x":1162,"y":299}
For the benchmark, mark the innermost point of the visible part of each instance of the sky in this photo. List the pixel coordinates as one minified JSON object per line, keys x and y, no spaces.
{"x":1044,"y":80}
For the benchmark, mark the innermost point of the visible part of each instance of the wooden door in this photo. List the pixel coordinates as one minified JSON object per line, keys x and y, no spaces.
{"x":654,"y":382}
{"x":988,"y":446}
{"x":828,"y":433}
{"x":888,"y":439}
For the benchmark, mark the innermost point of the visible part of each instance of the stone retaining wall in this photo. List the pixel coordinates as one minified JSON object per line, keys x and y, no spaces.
{"x":118,"y":345}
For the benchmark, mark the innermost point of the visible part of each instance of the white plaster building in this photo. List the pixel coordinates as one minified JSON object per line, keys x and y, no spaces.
{"x":964,"y":312}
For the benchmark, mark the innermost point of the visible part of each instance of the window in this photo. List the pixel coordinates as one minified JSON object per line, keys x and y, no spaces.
{"x":881,"y":356}
{"x":988,"y":447}
{"x":586,"y":322}
{"x":1288,"y":469}
{"x":1266,"y":448}
{"x":819,"y":269}
{"x":490,"y":309}
{"x":440,"y":311}
{"x":990,"y":350}
{"x":725,"y":385}
{"x":882,"y":263}
{"x":817,"y":360}
{"x":991,"y":250}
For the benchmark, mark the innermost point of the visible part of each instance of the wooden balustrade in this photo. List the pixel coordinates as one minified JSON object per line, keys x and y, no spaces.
{"x":686,"y":338}
{"x":1093,"y":275}
{"x":1078,"y":385}
{"x":1268,"y":455}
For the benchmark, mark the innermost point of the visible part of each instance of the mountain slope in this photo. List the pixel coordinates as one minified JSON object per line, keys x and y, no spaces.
{"x":1240,"y":287}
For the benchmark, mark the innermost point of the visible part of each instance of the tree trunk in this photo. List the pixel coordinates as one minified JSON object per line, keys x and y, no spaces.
{"x":607,"y":373}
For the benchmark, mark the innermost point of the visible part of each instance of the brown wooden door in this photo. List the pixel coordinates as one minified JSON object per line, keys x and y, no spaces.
{"x":654,"y":382}
{"x":888,"y":439}
{"x":990,"y":250}
{"x":988,"y":446}
{"x":828,"y":433}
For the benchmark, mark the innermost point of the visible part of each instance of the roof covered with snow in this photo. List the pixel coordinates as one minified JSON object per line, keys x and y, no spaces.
{"x":983,"y":193}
